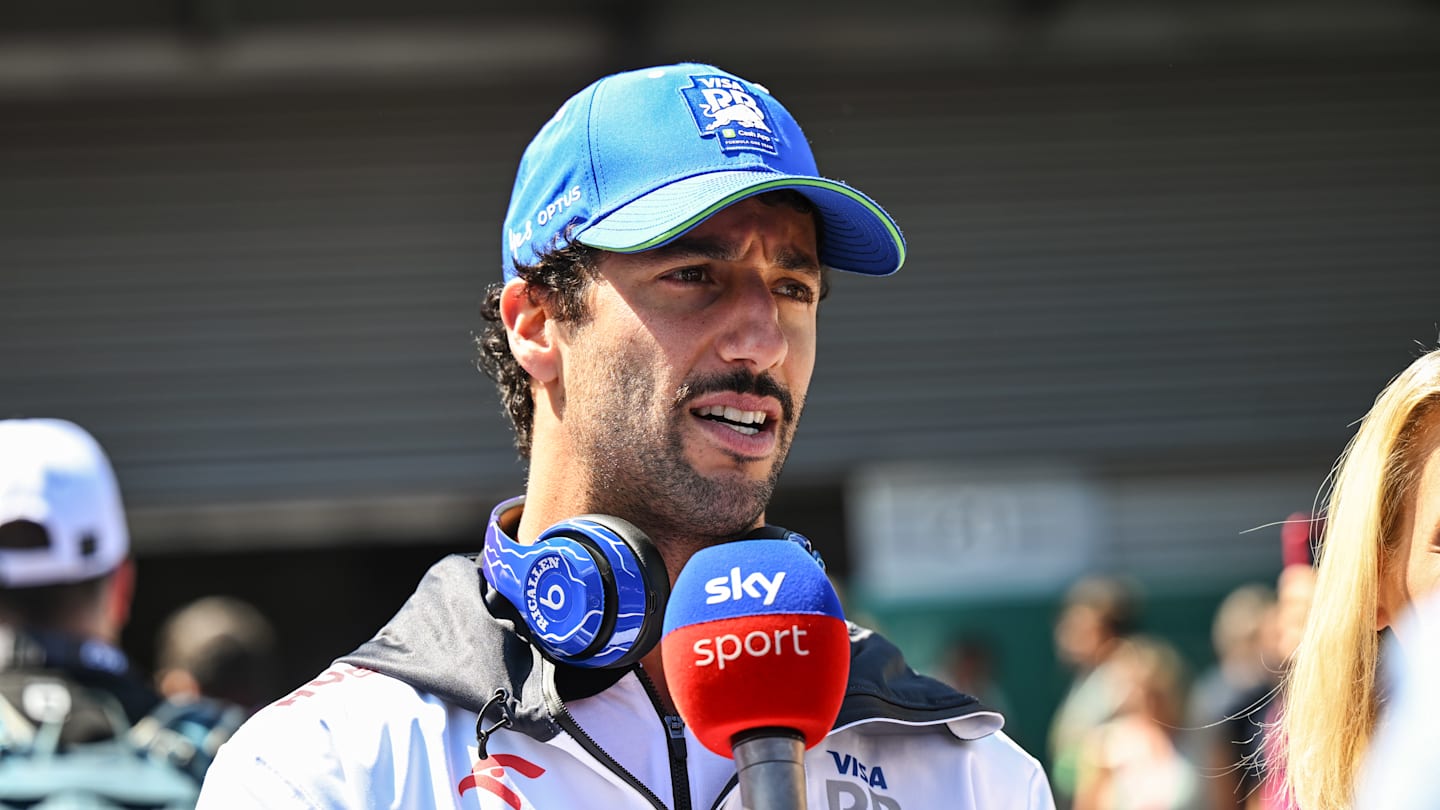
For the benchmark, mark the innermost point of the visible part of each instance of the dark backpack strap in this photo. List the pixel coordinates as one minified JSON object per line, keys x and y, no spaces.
{"x":50,"y":708}
{"x":187,"y":733}
{"x":95,"y":665}
{"x":63,"y":744}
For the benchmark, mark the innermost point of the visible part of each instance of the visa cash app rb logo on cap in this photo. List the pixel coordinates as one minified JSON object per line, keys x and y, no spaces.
{"x":727,"y":109}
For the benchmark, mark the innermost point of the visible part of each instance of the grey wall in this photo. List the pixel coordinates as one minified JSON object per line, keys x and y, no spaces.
{"x":264,"y":300}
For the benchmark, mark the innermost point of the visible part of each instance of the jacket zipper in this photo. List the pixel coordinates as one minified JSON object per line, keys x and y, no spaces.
{"x":675,"y":729}
{"x":567,"y":721}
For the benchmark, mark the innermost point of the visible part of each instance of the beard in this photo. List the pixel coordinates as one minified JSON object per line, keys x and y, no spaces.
{"x":629,"y":435}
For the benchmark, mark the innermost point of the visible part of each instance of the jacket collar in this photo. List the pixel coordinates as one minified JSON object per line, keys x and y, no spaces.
{"x":460,"y":640}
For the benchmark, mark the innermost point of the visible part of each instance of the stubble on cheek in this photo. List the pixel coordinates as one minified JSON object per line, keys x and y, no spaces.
{"x":630,"y":437}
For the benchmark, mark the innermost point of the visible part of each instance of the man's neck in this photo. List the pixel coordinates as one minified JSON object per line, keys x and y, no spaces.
{"x":654,"y":666}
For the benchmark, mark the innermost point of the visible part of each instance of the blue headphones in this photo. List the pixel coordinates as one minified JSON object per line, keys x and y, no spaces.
{"x":592,"y":589}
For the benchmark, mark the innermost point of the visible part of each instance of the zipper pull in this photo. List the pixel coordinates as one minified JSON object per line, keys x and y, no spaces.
{"x":676,"y":728}
{"x":482,"y":734}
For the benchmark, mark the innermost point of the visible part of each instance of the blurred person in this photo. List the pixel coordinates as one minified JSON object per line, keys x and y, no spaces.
{"x":69,"y":697}
{"x":968,"y":663}
{"x":1250,"y":773}
{"x":1133,"y":761}
{"x":664,"y":256}
{"x":66,"y":578}
{"x":1224,"y":700}
{"x":215,"y":666}
{"x":1238,"y":636}
{"x":1097,"y":613}
{"x":217,"y":647}
{"x":1378,"y":555}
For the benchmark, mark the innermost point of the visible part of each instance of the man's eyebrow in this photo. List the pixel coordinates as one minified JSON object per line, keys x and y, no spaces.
{"x":687,"y":247}
{"x":798,"y":260}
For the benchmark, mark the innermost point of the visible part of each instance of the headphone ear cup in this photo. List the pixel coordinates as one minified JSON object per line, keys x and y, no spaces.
{"x":640,"y":593}
{"x":592,"y":589}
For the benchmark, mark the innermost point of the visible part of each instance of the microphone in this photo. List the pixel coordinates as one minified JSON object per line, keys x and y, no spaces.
{"x":757,"y":656}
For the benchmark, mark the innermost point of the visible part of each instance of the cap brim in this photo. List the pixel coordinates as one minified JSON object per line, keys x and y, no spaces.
{"x":858,"y":236}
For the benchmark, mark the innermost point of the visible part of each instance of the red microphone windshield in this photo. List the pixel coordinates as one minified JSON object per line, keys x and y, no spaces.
{"x":755,"y":638}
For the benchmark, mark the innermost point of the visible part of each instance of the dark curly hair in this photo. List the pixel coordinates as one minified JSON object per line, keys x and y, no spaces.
{"x":562,"y":275}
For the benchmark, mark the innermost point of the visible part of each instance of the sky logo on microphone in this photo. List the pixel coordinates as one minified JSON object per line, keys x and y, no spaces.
{"x":736,"y":587}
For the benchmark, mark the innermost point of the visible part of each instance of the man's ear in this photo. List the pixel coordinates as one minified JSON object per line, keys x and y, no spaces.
{"x":119,"y":595}
{"x":176,"y":684}
{"x":530,"y":329}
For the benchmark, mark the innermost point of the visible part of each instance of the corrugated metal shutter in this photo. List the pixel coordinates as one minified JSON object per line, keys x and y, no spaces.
{"x":262,"y":298}
{"x":1133,"y":263}
{"x":270,"y":297}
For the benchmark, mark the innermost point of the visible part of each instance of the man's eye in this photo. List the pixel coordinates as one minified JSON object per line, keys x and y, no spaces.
{"x":797,"y":290}
{"x":689,"y":274}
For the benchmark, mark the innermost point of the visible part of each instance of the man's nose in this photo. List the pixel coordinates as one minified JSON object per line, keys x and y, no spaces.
{"x":752,"y":333}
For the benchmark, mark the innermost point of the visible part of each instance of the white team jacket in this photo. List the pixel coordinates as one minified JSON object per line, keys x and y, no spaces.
{"x":399,"y":724}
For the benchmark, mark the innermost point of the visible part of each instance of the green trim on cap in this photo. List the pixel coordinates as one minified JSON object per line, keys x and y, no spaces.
{"x":790,"y":182}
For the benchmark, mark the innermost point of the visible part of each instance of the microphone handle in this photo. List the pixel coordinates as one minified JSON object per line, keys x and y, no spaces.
{"x":770,"y":762}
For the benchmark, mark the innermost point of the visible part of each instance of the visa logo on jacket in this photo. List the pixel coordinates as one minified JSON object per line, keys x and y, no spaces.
{"x":736,"y":587}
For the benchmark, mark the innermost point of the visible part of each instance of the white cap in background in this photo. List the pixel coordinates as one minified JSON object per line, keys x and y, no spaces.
{"x":54,"y":474}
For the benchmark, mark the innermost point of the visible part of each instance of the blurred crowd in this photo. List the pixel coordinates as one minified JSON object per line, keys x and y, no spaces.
{"x":1135,"y":731}
{"x":1321,"y":695}
{"x":81,"y":725}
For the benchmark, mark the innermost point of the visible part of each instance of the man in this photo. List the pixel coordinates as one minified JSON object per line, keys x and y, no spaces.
{"x":1097,"y":615}
{"x":215,"y":666}
{"x":1258,"y":719}
{"x":217,"y":647}
{"x":66,"y":579}
{"x":653,"y":341}
{"x":70,"y":704}
{"x":1224,"y":719}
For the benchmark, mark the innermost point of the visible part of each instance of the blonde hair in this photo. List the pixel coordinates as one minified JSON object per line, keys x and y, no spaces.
{"x":1331,"y":702}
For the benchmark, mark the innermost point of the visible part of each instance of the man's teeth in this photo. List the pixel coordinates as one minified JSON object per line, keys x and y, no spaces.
{"x":736,"y":419}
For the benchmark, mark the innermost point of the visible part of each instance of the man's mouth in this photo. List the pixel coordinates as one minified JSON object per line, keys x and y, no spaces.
{"x":747,"y":423}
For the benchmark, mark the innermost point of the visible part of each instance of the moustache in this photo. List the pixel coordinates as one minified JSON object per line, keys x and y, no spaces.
{"x":738,"y":381}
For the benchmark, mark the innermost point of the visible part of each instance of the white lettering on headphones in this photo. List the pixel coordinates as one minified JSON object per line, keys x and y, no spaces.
{"x":734,"y":587}
{"x":756,"y":643}
{"x":554,"y":598}
{"x":532,"y":584}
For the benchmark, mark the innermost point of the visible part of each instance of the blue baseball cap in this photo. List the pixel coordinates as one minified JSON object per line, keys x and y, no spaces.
{"x":637,"y":159}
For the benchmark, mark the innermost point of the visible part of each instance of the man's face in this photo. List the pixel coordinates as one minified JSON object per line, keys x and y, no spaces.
{"x":1080,"y":634}
{"x":682,"y":389}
